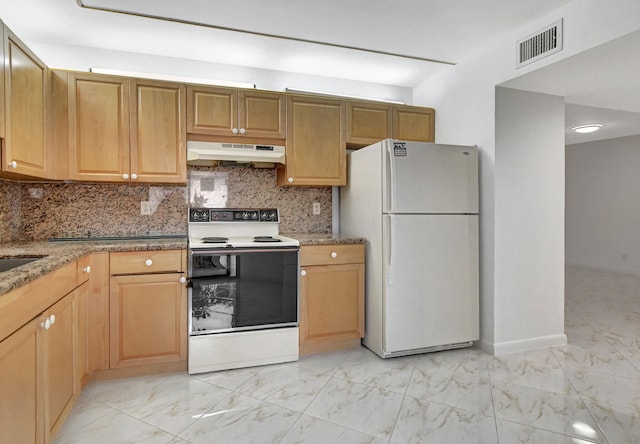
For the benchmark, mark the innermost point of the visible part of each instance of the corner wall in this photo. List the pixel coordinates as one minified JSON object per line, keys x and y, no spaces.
{"x":529,"y":229}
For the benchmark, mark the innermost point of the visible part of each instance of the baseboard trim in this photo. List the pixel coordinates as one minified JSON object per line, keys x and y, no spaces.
{"x":503,"y":348}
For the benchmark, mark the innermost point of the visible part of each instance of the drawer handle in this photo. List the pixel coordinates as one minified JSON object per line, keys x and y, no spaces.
{"x":87,"y":269}
{"x":334,"y":254}
{"x":148,"y":262}
{"x":303,"y":273}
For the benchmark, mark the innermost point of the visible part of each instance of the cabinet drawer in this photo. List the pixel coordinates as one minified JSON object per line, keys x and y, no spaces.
{"x":137,"y":262}
{"x":331,"y":254}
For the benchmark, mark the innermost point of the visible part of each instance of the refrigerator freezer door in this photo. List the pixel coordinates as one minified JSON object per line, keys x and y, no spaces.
{"x":426,"y":178}
{"x":431,"y":285}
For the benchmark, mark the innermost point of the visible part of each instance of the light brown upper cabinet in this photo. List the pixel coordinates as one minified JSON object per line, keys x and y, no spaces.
{"x":24,"y":117}
{"x":126,"y":130}
{"x":414,"y":123}
{"x":158,"y":132}
{"x":367,"y":123}
{"x":98,"y":116}
{"x":226,"y":112}
{"x":370,"y":122}
{"x":316,"y":142}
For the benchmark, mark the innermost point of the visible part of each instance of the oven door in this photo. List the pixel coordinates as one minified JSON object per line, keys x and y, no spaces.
{"x":242,"y":289}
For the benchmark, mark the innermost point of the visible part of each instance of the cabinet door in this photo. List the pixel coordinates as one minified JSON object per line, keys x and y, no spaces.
{"x":367,"y":123}
{"x":26,"y":83}
{"x":98,"y":128}
{"x":414,"y":123}
{"x":81,"y":334}
{"x":261,"y":114}
{"x":148,"y":319}
{"x":59,"y":346}
{"x":98,"y":313}
{"x":316,"y":150}
{"x":158,"y":133}
{"x":212,"y":110}
{"x":331,"y":303}
{"x":21,"y":418}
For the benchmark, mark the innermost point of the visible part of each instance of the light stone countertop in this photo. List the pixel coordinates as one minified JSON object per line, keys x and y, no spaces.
{"x":324,"y":238}
{"x":57,"y":254}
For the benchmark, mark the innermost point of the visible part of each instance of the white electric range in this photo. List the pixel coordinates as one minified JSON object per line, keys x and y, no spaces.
{"x":243,"y":289}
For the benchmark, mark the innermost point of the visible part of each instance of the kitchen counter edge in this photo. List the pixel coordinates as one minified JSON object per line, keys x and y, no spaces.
{"x":57,"y":254}
{"x":307,"y":239}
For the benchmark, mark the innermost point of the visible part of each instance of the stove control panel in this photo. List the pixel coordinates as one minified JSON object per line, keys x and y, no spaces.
{"x":233,"y":215}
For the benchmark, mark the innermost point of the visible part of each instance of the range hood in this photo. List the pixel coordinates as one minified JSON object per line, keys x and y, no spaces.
{"x":213,"y":153}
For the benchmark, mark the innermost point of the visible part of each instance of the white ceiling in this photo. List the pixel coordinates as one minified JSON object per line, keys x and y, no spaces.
{"x":430,"y":31}
{"x":418,"y":28}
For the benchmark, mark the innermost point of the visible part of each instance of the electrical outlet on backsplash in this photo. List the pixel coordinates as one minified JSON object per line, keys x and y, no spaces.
{"x":75,"y":209}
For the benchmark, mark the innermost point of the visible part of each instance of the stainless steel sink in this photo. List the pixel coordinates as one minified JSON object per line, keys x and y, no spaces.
{"x":7,"y":263}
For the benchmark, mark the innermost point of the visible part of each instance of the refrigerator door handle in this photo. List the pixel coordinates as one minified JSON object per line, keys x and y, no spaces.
{"x":391,"y":181}
{"x":390,"y":256}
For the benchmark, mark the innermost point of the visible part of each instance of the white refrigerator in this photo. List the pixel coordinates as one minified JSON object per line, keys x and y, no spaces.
{"x":417,"y":205}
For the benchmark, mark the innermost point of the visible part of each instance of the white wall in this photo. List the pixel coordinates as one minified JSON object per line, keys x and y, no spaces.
{"x":464,"y":99}
{"x":603,"y":204}
{"x":529,"y":220}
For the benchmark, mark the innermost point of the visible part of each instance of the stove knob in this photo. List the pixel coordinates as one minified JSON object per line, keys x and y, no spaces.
{"x":254,"y":215}
{"x":245,"y":215}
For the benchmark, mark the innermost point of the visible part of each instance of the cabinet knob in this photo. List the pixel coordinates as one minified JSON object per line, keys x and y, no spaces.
{"x":13,"y":164}
{"x":125,"y":176}
{"x":303,"y":273}
{"x":183,"y":280}
{"x":134,"y":176}
{"x":242,"y":130}
{"x":234,"y":130}
{"x":290,"y":180}
{"x":52,"y":318}
{"x":46,"y":324}
{"x":87,"y":269}
{"x":334,"y":254}
{"x":148,"y":262}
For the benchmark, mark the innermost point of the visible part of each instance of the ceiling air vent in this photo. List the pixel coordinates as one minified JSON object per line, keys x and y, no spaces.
{"x":540,"y":44}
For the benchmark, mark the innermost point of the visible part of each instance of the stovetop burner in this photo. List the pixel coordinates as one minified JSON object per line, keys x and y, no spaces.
{"x":266,"y":239}
{"x":214,"y":240}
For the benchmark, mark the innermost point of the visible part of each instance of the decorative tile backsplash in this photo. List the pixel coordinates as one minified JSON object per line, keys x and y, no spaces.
{"x":9,"y":211}
{"x":38,"y":211}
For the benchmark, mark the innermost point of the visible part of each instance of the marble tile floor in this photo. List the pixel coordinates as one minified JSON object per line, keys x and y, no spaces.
{"x":585,"y":392}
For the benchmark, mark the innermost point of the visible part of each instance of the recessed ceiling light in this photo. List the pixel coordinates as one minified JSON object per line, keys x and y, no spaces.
{"x":587,"y":128}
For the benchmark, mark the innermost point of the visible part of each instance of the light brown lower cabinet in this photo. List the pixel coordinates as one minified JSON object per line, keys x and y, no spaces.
{"x":21,"y":418}
{"x":61,"y":382}
{"x":331,"y":297}
{"x":39,"y":381}
{"x":147,"y":311}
